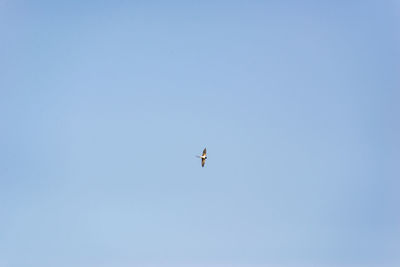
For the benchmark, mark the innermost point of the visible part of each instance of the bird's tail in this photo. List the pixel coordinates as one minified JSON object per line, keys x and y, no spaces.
{"x":197,"y":156}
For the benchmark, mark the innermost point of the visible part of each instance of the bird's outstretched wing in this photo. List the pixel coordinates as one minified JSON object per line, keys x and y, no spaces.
{"x":203,"y":161}
{"x":204,"y":152}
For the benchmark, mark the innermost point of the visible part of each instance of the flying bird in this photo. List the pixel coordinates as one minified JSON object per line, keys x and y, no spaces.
{"x":203,"y":157}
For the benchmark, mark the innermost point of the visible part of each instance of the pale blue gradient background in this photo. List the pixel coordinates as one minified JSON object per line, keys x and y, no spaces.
{"x":104,"y":105}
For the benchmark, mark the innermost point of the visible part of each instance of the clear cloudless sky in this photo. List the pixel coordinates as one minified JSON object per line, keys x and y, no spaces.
{"x":104,"y":105}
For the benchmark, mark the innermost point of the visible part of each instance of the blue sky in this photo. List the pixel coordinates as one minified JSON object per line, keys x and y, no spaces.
{"x":104,"y":105}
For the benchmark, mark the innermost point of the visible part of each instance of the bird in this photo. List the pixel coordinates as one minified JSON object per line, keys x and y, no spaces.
{"x":203,"y":157}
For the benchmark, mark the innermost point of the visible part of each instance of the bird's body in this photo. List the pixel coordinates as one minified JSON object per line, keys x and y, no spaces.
{"x":203,"y":157}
